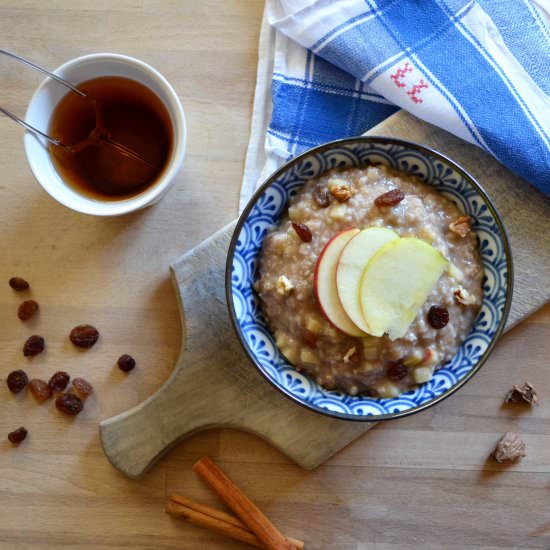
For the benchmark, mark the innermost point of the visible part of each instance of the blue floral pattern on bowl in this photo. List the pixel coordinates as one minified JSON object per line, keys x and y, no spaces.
{"x":264,"y":210}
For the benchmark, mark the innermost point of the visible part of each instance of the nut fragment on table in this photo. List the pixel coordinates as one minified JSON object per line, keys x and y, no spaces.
{"x":522,"y":394}
{"x":510,"y":447}
{"x":461,"y":226}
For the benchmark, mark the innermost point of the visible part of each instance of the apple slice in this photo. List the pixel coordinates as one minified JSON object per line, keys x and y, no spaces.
{"x":351,"y":265}
{"x":324,"y":282}
{"x":395,"y":284}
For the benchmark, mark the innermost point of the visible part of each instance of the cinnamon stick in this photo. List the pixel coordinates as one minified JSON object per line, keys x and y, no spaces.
{"x":243,"y":507}
{"x":213,"y":524}
{"x":216,"y":520}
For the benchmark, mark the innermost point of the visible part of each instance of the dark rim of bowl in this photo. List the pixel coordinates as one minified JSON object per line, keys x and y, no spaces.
{"x":386,"y":141}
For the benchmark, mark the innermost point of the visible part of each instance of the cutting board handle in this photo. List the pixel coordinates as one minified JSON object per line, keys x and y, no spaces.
{"x":214,"y":384}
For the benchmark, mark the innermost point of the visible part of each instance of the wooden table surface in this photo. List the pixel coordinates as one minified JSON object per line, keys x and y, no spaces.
{"x":421,"y":482}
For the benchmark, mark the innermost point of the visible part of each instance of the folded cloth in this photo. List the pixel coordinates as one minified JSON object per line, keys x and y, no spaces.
{"x":480,"y":70}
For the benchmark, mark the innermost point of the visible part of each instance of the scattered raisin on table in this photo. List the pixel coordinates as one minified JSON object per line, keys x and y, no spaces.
{"x":126,"y":363}
{"x":59,"y":381}
{"x":303,"y":231}
{"x":438,"y":317}
{"x":396,"y":371}
{"x":40,"y":389}
{"x":82,"y":388}
{"x":27,"y":310}
{"x":18,"y":284}
{"x":18,"y":435}
{"x":17,"y":380}
{"x":391,"y":198}
{"x":322,"y":197}
{"x":69,"y":403}
{"x":84,"y":336}
{"x":33,"y":346}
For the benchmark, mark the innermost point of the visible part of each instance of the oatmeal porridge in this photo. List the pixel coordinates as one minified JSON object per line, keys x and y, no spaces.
{"x":349,"y":358}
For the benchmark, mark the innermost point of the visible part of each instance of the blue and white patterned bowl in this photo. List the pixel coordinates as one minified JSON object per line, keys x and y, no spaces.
{"x":264,"y":210}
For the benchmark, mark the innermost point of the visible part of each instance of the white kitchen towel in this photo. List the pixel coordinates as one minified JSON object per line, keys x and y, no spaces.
{"x":330,"y":69}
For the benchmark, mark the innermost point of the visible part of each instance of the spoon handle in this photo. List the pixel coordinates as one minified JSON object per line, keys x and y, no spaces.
{"x":34,"y":130}
{"x":44,"y":71}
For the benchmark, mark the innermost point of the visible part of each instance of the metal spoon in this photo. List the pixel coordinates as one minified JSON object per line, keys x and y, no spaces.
{"x":97,"y":134}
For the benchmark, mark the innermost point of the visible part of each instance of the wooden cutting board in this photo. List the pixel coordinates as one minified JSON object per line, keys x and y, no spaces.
{"x":215,"y":385}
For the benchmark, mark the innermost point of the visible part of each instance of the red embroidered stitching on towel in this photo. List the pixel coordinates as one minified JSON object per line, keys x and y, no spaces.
{"x":400,"y":74}
{"x":416,"y":90}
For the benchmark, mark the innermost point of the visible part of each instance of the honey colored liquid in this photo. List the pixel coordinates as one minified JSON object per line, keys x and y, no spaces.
{"x":130,"y":114}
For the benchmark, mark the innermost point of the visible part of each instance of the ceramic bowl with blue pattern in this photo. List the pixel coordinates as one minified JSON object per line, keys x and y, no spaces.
{"x":263,"y":212}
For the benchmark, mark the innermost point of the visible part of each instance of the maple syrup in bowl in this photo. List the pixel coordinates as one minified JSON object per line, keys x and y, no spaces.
{"x":126,"y":140}
{"x":128,"y":113}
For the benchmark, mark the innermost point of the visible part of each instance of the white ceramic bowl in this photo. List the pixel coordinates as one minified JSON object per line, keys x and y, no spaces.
{"x":43,"y":103}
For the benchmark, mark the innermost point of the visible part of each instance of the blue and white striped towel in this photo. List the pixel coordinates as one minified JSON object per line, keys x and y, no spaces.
{"x":479,"y":69}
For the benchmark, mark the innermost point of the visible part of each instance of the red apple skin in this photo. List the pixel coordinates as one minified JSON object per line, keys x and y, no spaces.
{"x":316,"y":290}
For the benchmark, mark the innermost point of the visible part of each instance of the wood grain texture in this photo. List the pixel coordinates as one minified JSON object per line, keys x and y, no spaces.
{"x":420,"y":482}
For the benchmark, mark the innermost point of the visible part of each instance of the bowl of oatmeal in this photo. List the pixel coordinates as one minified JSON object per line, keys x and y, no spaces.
{"x":369,"y":278}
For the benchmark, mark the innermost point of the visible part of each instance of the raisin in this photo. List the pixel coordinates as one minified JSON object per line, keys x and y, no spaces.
{"x":19,"y":284}
{"x":396,"y":371}
{"x":18,"y":435}
{"x":33,"y":346}
{"x":27,"y":310}
{"x":40,"y":389}
{"x":59,"y":381}
{"x":82,"y":388}
{"x":302,"y":231}
{"x":438,"y":317}
{"x":84,"y":336}
{"x":126,"y":363}
{"x":308,"y":338}
{"x":322,"y":197}
{"x":368,"y":391}
{"x":391,"y":198}
{"x":69,"y":403}
{"x":17,"y":380}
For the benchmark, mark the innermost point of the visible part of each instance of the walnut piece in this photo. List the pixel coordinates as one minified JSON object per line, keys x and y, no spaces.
{"x":284,"y":286}
{"x":462,"y":296}
{"x":522,"y":394}
{"x":510,"y":447}
{"x":461,"y":226}
{"x":340,"y":189}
